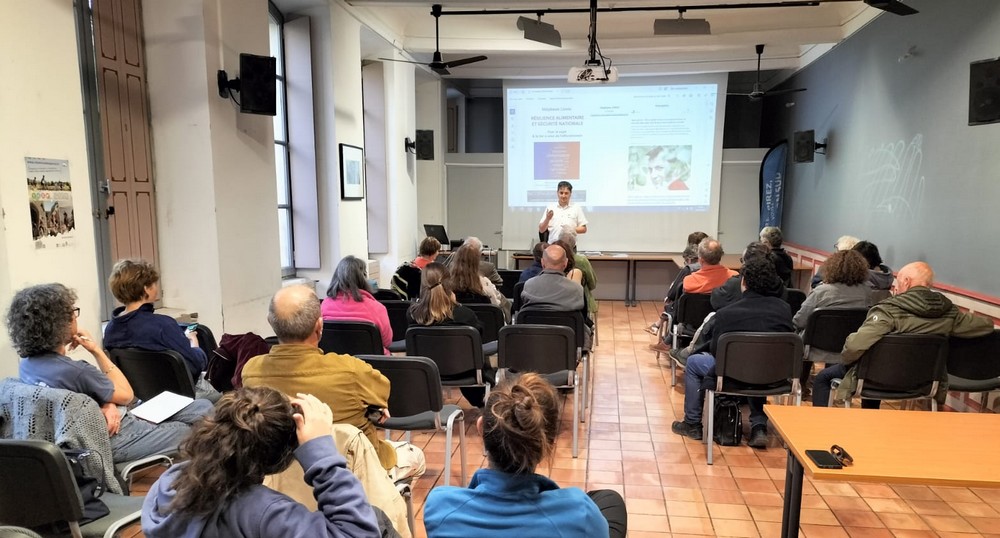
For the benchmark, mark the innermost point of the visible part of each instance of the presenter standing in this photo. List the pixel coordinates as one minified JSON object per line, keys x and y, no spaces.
{"x":563,"y":217}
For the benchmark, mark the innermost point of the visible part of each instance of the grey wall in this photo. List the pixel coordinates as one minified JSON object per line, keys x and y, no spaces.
{"x":484,"y":125}
{"x":904,"y":169}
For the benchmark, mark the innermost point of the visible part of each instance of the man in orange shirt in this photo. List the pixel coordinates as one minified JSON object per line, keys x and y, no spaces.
{"x":712,"y":274}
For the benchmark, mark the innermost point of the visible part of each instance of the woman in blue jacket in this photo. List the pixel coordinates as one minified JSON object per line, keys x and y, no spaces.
{"x":519,"y":426}
{"x":219,"y":491}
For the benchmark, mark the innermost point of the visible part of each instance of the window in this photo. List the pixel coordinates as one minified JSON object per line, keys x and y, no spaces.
{"x":281,"y":154}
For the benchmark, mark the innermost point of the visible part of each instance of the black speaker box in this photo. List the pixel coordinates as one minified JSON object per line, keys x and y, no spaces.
{"x":984,"y":92}
{"x":258,"y":84}
{"x":425,"y":145}
{"x":803,"y":146}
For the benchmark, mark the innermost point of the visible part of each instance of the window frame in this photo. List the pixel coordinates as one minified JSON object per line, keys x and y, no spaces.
{"x":285,"y":210}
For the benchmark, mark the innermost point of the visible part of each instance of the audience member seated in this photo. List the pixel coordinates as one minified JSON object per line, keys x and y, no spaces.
{"x":712,"y":273}
{"x":352,"y":388}
{"x":915,"y":309}
{"x":406,"y":282}
{"x":42,"y":322}
{"x":136,"y":284}
{"x":879,"y":275}
{"x":486,"y":268}
{"x":536,"y":266}
{"x":845,"y":285}
{"x":348,"y":299}
{"x":427,"y":252}
{"x":690,"y":257}
{"x":583,"y":273}
{"x":255,"y":432}
{"x":772,"y":237}
{"x":438,"y":307}
{"x":552,"y":290}
{"x":519,"y":427}
{"x":758,"y":311}
{"x":844,"y":242}
{"x":472,"y":287}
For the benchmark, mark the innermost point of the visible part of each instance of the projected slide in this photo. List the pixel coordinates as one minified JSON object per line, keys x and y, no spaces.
{"x":622,"y":147}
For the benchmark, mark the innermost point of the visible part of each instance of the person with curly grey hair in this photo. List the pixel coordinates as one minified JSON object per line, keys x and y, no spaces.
{"x":42,"y":323}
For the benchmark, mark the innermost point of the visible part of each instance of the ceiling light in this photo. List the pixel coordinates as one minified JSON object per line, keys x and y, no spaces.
{"x":539,"y":31}
{"x":681,"y":26}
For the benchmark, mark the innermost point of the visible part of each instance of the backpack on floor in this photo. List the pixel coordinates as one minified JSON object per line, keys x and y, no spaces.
{"x":728,"y":421}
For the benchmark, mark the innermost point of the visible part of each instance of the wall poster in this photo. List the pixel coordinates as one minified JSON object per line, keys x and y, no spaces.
{"x":50,"y":202}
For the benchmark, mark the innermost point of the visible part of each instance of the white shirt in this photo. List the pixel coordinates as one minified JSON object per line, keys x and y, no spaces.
{"x":570,"y":216}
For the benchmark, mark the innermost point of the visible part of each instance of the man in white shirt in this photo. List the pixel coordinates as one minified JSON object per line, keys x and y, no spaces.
{"x":563,"y":217}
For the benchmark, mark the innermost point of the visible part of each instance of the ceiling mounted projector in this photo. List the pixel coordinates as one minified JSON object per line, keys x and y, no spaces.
{"x":681,"y":26}
{"x":892,"y":6}
{"x":542,"y":32}
{"x":592,"y":74}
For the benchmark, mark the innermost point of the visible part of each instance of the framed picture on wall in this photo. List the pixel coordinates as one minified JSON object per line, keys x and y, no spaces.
{"x":352,"y":172}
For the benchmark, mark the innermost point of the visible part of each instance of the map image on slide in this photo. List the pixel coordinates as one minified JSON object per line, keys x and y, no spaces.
{"x":659,"y":168}
{"x":557,"y":160}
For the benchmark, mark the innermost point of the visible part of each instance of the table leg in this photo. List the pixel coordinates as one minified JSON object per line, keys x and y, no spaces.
{"x":793,"y":497}
{"x":633,"y":279}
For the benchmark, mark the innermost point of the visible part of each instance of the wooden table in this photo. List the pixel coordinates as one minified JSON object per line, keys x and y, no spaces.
{"x":888,"y":446}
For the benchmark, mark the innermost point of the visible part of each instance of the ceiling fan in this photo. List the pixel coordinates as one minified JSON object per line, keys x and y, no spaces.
{"x":758,"y":91}
{"x":437,"y":63}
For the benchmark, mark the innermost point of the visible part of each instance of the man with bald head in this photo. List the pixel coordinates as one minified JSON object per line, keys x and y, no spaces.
{"x":914,"y":309}
{"x":712,"y":273}
{"x":551,"y":289}
{"x":351,"y":387}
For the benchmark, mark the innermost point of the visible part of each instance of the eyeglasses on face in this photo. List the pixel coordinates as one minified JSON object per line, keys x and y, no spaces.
{"x":76,"y":312}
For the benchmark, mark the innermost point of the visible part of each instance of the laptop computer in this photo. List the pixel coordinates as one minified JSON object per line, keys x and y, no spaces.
{"x":437,"y":232}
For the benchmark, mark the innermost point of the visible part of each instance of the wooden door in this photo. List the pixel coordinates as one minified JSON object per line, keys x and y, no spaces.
{"x":121,"y":86}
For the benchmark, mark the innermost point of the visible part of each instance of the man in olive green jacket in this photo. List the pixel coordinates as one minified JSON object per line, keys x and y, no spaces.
{"x":915,"y":309}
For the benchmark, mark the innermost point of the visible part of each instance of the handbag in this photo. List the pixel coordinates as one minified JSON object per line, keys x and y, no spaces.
{"x":90,"y":488}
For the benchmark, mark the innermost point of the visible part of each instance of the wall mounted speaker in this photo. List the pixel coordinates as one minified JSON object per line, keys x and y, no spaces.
{"x":425,"y":145}
{"x":984,"y":92}
{"x":803,"y":146}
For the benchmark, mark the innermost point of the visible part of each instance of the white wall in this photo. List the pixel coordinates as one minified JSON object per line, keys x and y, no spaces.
{"x":213,"y":166}
{"x":41,"y":116}
{"x":431,"y":114}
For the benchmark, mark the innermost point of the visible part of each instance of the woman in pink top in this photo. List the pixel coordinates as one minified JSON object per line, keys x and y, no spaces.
{"x":348,"y":299}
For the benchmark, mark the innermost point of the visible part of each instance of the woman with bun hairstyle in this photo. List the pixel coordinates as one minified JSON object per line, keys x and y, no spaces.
{"x":218,"y":490}
{"x":519,"y":427}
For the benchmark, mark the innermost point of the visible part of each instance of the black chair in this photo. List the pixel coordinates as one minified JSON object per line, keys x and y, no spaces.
{"x":37,"y":489}
{"x":974,"y":365}
{"x":351,"y":338}
{"x":515,"y":301}
{"x":152,"y":372}
{"x":383,"y":295}
{"x":397,"y":320}
{"x":689,"y":313}
{"x":754,"y":364}
{"x":795,"y":297}
{"x":510,"y":279}
{"x":416,"y":404}
{"x":827,"y":330}
{"x":457,"y":351}
{"x":491,"y":316}
{"x":574,"y":320}
{"x":548,"y":350}
{"x":902,"y":367}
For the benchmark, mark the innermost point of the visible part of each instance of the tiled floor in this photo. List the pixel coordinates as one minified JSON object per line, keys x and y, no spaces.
{"x":671,"y":491}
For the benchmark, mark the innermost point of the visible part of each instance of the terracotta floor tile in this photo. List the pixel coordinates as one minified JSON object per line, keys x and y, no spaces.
{"x":823,"y":531}
{"x":643,"y":492}
{"x":835,"y":488}
{"x":858,"y":518}
{"x":985,"y":524}
{"x":728,"y":511}
{"x":646,"y":522}
{"x":726,"y":496}
{"x":961,"y":495}
{"x":915,"y":493}
{"x":687,"y":509}
{"x":911,"y":533}
{"x":880,"y":491}
{"x":975,"y":510}
{"x":868,"y":532}
{"x":735,"y":527}
{"x":904,"y":521}
{"x":754,"y":498}
{"x":691,"y":525}
{"x":898,"y":506}
{"x":679,"y":481}
{"x":647,"y":506}
{"x":986,"y":494}
{"x":749,"y":472}
{"x":766,"y":513}
{"x":759,"y":485}
{"x":818,"y":516}
{"x":933,"y":508}
{"x":837,"y":502}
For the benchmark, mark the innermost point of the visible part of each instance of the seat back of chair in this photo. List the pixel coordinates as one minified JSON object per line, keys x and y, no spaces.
{"x":515,"y":301}
{"x":152,"y":372}
{"x":693,"y":308}
{"x":397,"y":317}
{"x":880,"y":295}
{"x":572,"y":319}
{"x":383,"y":295}
{"x":455,"y":350}
{"x":415,"y":382}
{"x":491,"y":316}
{"x":795,"y":297}
{"x":759,"y":358}
{"x":907,"y":364}
{"x":544,"y":349}
{"x":36,"y":484}
{"x":350,"y":338}
{"x":510,"y":279}
{"x":828,"y":328}
{"x":975,"y":358}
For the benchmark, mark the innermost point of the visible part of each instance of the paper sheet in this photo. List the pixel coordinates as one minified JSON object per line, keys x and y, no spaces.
{"x":161,"y":407}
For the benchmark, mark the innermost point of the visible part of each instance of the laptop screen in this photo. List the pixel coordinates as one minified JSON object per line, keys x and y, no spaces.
{"x":437,"y":232}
